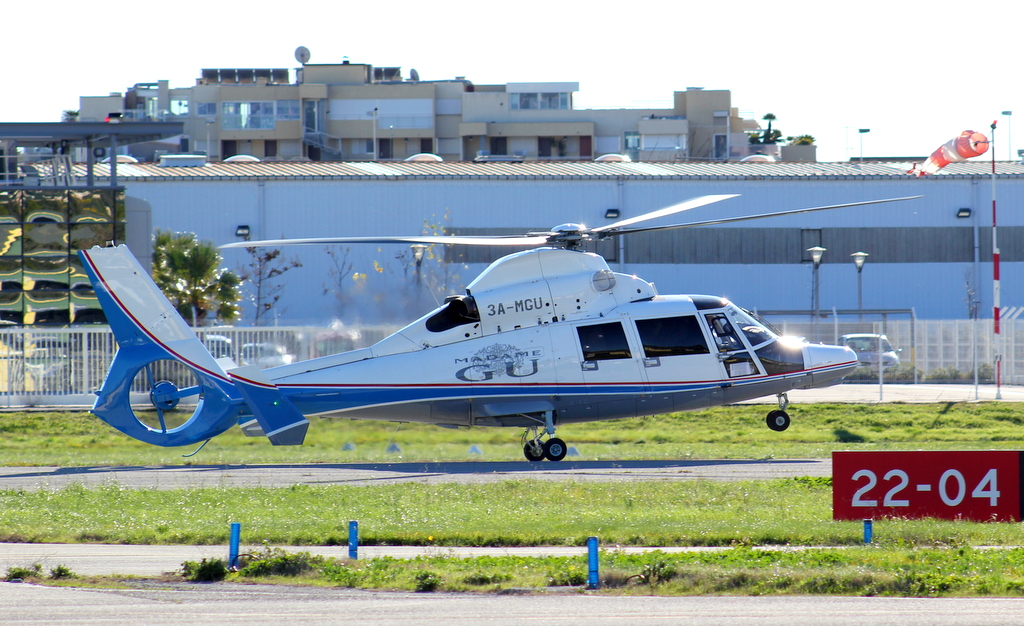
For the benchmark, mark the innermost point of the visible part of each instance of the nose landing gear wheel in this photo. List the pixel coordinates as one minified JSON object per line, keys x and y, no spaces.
{"x":778,"y":420}
{"x":534,"y":451}
{"x":554,"y":449}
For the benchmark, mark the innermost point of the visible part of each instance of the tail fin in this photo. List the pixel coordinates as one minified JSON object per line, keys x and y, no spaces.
{"x":148,"y":329}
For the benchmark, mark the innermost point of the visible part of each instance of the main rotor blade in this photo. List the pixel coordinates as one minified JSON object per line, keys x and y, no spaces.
{"x":448,"y":240}
{"x":726,"y":220}
{"x":692,"y":203}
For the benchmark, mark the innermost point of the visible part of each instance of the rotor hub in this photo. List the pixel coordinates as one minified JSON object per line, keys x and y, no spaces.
{"x":570,"y":235}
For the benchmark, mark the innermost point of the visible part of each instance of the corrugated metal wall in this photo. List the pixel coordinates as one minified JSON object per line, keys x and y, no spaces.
{"x":921,"y":254}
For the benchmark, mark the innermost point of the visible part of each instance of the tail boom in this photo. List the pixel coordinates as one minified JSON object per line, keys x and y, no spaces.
{"x":148,"y":329}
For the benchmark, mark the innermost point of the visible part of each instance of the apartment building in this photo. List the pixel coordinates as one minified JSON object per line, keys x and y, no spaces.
{"x":358,"y":112}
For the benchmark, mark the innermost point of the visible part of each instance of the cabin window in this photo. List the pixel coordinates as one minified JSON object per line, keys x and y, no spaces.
{"x":458,"y":310}
{"x":740,"y":364}
{"x":671,"y":336}
{"x":603,"y":342}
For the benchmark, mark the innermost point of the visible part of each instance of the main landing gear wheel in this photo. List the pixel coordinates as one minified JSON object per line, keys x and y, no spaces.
{"x":554,"y":449}
{"x":534,"y":450}
{"x":778,"y":420}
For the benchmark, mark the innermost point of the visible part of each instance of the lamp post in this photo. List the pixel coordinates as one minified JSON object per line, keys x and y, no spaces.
{"x":862,"y":132}
{"x":417,"y":255}
{"x":858,"y":260}
{"x":1009,"y":135}
{"x":816,"y":253}
{"x":418,"y":250}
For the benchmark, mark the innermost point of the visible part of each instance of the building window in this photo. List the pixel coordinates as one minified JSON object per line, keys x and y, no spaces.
{"x":247,"y":115}
{"x":179,"y":106}
{"x":528,"y":101}
{"x":721,"y":147}
{"x":287,"y":109}
{"x":42,"y":280}
{"x":498,"y":145}
{"x":206,"y":109}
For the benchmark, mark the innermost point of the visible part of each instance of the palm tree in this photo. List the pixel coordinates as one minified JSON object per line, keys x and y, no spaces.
{"x":770,"y":136}
{"x":188,"y":272}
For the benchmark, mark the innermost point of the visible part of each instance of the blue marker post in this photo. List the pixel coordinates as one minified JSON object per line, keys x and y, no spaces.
{"x":593,"y":578}
{"x":868,"y":531}
{"x":236,"y":534}
{"x":353,"y":540}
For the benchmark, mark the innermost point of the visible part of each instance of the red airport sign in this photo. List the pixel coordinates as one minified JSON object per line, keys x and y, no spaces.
{"x":981,"y":486}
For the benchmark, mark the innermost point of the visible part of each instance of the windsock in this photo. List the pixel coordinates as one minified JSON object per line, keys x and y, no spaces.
{"x":968,"y":144}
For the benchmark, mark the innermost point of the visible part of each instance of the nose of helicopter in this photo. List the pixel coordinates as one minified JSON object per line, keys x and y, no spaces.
{"x":828,"y":363}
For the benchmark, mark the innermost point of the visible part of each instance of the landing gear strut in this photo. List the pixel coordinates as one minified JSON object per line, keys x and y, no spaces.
{"x":778,"y":420}
{"x":553,"y":449}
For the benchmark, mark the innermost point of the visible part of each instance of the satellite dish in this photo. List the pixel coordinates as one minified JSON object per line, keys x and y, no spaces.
{"x":302,"y":54}
{"x":414,"y":75}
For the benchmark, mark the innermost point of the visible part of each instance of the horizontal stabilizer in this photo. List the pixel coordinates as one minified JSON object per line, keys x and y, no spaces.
{"x":280,"y":421}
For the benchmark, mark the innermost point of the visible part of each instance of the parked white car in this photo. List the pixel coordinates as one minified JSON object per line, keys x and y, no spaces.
{"x":266,"y":355}
{"x":867,"y":348}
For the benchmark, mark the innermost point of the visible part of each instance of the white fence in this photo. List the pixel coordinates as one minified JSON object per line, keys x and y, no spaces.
{"x":66,"y":366}
{"x":933,"y":350}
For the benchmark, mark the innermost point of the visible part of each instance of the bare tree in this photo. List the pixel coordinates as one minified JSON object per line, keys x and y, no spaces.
{"x":264,"y":267}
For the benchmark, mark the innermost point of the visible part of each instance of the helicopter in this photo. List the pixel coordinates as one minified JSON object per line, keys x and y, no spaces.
{"x":542,"y":337}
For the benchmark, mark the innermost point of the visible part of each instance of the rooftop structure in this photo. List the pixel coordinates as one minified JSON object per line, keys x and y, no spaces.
{"x":358,"y":112}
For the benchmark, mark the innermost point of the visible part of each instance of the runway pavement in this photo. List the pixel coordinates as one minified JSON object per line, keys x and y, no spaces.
{"x":217,"y":604}
{"x":363,"y":474}
{"x":921,"y":393}
{"x":202,"y":605}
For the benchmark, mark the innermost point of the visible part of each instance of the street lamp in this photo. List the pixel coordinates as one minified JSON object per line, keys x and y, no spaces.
{"x":862,"y":132}
{"x":1009,"y":135}
{"x":858,"y":260}
{"x":418,"y":251}
{"x":816,"y":253}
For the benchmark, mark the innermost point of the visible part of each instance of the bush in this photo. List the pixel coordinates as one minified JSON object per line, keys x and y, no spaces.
{"x":207,"y":570}
{"x":278,"y":562}
{"x":60,"y":572}
{"x":427,"y":581}
{"x":32,"y":571}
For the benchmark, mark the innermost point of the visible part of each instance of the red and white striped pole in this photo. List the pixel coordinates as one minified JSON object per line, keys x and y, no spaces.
{"x":995,"y":273}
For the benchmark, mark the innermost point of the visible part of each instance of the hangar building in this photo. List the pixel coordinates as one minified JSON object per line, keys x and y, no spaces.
{"x":931,"y":254}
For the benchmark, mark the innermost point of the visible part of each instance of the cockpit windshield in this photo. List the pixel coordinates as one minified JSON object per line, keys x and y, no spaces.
{"x":756,"y":332}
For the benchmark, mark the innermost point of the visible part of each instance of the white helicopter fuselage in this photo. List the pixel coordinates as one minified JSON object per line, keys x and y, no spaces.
{"x":556,"y":330}
{"x":542,"y":337}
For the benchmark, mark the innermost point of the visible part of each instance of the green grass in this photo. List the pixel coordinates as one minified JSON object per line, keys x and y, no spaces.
{"x":910,"y":557}
{"x":740,"y":570}
{"x":737,"y":571}
{"x":510,"y":513}
{"x":737,"y":432}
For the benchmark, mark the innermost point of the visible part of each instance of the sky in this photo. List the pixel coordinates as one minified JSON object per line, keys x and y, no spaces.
{"x":915,"y":73}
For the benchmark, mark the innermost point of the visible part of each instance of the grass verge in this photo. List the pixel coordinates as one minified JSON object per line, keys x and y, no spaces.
{"x":733,"y":432}
{"x":737,"y":571}
{"x":509,"y":513}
